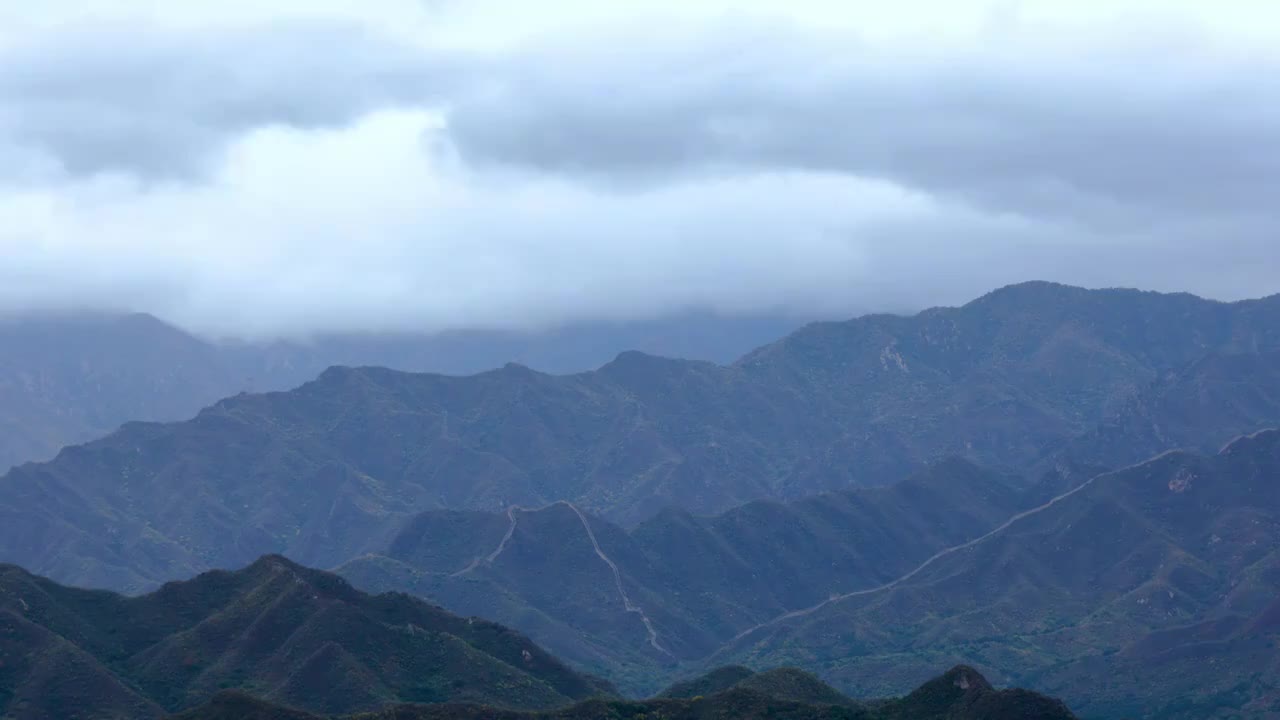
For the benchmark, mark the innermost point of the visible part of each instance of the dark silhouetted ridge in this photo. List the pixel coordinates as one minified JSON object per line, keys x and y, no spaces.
{"x":795,"y":685}
{"x":736,"y":703}
{"x":274,"y":629}
{"x":717,"y":680}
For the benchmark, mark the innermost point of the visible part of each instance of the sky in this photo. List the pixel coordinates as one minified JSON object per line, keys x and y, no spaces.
{"x":258,"y":169}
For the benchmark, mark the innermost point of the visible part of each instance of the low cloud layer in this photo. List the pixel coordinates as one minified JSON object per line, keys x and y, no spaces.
{"x":336,"y":166}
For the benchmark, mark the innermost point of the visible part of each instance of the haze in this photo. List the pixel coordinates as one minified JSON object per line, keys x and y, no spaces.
{"x":254,"y":169}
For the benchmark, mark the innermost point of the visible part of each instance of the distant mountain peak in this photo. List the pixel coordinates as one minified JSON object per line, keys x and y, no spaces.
{"x":335,"y":374}
{"x":1032,"y":293}
{"x":627,"y":357}
{"x":519,"y":372}
{"x":631,"y":360}
{"x":1027,"y":287}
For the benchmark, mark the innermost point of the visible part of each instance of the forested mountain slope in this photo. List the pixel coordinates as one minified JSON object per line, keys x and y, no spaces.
{"x":329,"y":471}
{"x":278,"y":630}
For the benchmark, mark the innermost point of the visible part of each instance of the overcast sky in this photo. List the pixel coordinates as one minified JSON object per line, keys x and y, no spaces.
{"x":245,"y":167}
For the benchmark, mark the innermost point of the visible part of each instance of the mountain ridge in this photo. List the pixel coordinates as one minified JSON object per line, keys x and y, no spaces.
{"x":1120,"y":575}
{"x":639,"y":571}
{"x":959,"y":694}
{"x":283,"y":631}
{"x":1021,"y":403}
{"x":275,"y":635}
{"x":693,"y":574}
{"x":816,"y":411}
{"x":70,"y":377}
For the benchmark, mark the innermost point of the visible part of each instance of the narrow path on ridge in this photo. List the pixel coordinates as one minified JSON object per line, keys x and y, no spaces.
{"x":933,"y":558}
{"x":511,"y":515}
{"x":595,"y":544}
{"x":511,"y":529}
{"x":617,"y":579}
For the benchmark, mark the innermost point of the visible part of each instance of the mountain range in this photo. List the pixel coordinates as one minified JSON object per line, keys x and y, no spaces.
{"x":72,"y":377}
{"x":281,"y":631}
{"x":329,"y":471}
{"x":960,"y":694}
{"x":1149,"y":591}
{"x":1154,"y":567}
{"x":1049,"y":484}
{"x":698,"y":580}
{"x":277,"y":640}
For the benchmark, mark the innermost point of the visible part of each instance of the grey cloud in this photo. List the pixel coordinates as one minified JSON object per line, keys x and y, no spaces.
{"x":740,"y":171}
{"x":155,"y":104}
{"x":1114,"y":138}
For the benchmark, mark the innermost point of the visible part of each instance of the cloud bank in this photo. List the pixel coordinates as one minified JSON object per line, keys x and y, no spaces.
{"x":407,"y":165}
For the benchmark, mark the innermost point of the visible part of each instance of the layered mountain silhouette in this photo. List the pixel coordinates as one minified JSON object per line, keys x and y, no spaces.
{"x":984,"y":495}
{"x":960,"y":694}
{"x":699,"y":580}
{"x":277,"y":630}
{"x":277,"y":640}
{"x":710,"y":683}
{"x":795,"y":685}
{"x":331,"y":470}
{"x":72,"y":377}
{"x":1149,"y":592}
{"x":1157,"y":569}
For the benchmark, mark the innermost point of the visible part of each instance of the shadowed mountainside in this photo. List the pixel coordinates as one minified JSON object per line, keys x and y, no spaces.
{"x":1142,"y":574}
{"x":1198,"y":407}
{"x":1111,"y":597}
{"x":278,"y":630}
{"x":329,"y":471}
{"x":701,"y":580}
{"x":960,"y":694}
{"x":1149,"y":592}
{"x":229,"y":644}
{"x":70,"y":378}
{"x":704,"y":580}
{"x":709,"y":683}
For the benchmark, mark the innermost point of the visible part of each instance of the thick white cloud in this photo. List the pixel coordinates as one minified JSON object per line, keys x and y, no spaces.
{"x":251,"y":168}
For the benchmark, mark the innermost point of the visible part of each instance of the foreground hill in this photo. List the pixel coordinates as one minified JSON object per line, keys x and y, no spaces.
{"x":70,"y":378}
{"x":280,"y":631}
{"x":960,"y":694}
{"x":1148,"y":592}
{"x":329,"y":471}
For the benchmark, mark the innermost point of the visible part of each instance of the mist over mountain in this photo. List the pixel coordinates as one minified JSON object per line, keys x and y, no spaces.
{"x":70,"y":378}
{"x":602,"y":513}
{"x":664,"y":360}
{"x":330,"y":470}
{"x":348,"y":166}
